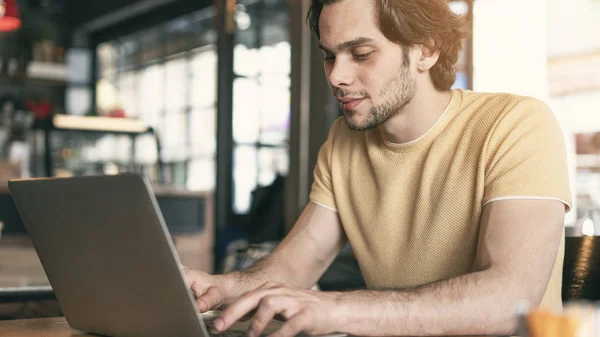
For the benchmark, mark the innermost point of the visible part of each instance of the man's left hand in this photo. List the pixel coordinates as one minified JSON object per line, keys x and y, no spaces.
{"x":305,"y":311}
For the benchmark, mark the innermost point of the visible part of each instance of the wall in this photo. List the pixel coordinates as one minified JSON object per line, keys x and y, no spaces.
{"x":512,"y":42}
{"x":509,"y":47}
{"x":573,"y":27}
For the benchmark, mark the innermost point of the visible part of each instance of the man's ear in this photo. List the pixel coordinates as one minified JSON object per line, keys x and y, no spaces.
{"x":428,"y":56}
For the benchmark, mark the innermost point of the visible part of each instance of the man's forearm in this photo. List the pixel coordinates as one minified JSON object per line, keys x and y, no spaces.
{"x":481,"y":303}
{"x":299,"y":260}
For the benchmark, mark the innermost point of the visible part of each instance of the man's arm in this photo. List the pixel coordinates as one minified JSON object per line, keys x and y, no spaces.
{"x":518,"y":242}
{"x":299,"y":260}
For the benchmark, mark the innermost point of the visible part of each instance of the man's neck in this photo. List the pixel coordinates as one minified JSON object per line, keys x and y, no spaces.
{"x":417,"y":117}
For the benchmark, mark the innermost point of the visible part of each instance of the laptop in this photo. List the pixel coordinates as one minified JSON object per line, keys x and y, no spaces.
{"x":109,"y":258}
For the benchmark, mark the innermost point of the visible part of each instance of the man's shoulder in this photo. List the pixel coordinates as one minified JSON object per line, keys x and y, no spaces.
{"x":499,"y":106}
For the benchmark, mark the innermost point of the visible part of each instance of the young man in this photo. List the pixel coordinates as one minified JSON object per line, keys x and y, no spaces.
{"x":453,"y":201}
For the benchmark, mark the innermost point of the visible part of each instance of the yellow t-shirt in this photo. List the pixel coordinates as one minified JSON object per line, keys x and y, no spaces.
{"x":412,"y":211}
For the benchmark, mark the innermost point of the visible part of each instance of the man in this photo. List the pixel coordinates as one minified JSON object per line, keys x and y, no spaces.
{"x":453,"y":201}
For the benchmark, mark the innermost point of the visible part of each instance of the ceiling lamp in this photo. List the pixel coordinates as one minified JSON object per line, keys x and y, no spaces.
{"x":9,"y":16}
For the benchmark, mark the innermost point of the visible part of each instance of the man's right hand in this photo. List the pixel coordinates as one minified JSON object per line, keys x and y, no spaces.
{"x":209,"y":290}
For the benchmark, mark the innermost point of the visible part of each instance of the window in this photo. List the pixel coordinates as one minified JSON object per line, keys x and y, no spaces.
{"x":464,"y":64}
{"x":261,"y":97}
{"x":167,"y":76}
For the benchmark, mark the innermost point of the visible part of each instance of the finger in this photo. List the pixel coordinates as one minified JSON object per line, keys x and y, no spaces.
{"x":190,"y":275}
{"x":266,"y":285}
{"x":213,"y":297}
{"x":186,"y":275}
{"x":241,"y":307}
{"x":269,"y":307}
{"x":269,"y":285}
{"x":191,"y":279}
{"x":292,"y":327}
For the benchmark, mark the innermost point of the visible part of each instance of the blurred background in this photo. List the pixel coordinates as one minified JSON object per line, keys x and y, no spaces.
{"x":223,"y":105}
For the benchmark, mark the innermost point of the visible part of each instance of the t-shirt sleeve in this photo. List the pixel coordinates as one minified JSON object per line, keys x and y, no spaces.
{"x":526,"y":156}
{"x":322,"y":188}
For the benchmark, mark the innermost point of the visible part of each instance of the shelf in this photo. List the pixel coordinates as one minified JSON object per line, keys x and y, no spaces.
{"x":94,"y":124}
{"x":24,"y":81}
{"x":589,"y":161}
{"x":40,"y":73}
{"x":47,"y":71}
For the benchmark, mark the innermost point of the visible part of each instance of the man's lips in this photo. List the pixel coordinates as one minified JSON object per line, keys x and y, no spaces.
{"x":349,"y":103}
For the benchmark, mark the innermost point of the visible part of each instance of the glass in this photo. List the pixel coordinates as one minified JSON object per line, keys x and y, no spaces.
{"x":176,"y":84}
{"x":201,"y":174}
{"x":173,"y":146}
{"x":202,"y":129}
{"x":123,"y":148}
{"x":274,"y":109}
{"x":462,"y":81}
{"x":127,"y":93}
{"x":261,"y":96}
{"x":272,"y":161}
{"x":245,"y":110}
{"x":276,"y":59}
{"x":105,"y":148}
{"x":79,"y":100}
{"x":146,"y":152}
{"x":151,"y":98}
{"x":244,"y":176}
{"x":246,"y":61}
{"x":204,"y":78}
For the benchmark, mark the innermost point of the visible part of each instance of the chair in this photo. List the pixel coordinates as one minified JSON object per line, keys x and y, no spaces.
{"x":581,"y":270}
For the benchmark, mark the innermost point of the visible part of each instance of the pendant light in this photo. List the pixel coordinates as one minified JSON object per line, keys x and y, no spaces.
{"x":10,"y":19}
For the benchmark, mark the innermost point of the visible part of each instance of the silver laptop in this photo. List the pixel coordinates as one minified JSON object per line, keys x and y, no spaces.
{"x":109,"y":257}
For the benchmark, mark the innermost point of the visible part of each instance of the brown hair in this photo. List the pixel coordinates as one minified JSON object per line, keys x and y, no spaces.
{"x":411,"y":22}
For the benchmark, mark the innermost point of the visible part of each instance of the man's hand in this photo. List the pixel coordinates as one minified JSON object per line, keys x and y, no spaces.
{"x":305,"y":311}
{"x":208,"y":290}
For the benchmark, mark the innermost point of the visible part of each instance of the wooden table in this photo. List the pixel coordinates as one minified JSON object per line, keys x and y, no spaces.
{"x":42,"y":327}
{"x":58,"y":327}
{"x":55,"y":327}
{"x":21,"y":272}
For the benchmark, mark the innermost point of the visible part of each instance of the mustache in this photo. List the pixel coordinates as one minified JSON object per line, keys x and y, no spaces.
{"x":341,"y":93}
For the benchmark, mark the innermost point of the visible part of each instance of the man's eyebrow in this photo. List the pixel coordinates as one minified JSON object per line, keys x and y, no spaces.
{"x":349,"y":44}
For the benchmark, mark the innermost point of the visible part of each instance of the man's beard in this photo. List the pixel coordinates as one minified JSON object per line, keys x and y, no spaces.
{"x":397,"y":93}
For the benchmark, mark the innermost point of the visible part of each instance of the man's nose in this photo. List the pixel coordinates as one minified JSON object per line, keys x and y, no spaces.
{"x":341,"y":74}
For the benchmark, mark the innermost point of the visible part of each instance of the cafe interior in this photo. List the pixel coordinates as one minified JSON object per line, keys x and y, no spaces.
{"x":223,"y":106}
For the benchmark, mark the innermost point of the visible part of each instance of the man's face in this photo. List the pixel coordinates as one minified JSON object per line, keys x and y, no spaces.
{"x":370,"y":75}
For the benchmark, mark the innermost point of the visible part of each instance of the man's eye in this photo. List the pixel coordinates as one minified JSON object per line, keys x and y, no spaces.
{"x":362,"y":57}
{"x":329,"y":58}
